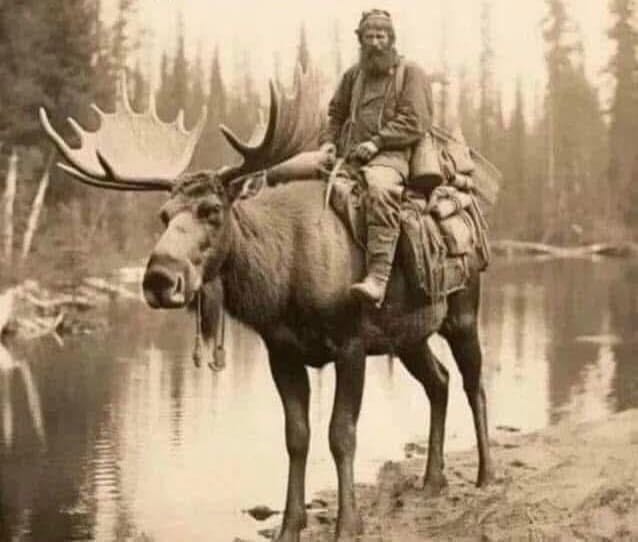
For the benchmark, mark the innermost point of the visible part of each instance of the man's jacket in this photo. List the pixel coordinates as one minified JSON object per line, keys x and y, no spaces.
{"x":366,"y":108}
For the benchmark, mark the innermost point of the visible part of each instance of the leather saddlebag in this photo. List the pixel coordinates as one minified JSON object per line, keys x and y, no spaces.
{"x":458,"y":233}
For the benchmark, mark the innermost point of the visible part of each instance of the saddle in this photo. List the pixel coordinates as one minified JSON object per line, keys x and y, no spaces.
{"x":442,"y":236}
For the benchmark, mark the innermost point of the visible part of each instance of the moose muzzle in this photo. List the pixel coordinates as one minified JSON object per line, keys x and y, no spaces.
{"x":169,"y":283}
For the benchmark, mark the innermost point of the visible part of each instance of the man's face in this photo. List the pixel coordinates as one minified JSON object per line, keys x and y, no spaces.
{"x":377,"y":54}
{"x":375,"y":39}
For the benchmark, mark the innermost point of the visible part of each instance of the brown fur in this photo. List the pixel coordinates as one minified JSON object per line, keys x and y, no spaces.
{"x":291,"y":263}
{"x":286,"y":266}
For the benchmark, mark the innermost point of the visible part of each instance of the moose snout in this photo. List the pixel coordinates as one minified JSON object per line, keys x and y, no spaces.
{"x":166,"y":284}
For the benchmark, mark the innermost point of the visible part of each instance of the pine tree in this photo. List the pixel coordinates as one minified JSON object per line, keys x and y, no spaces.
{"x":517,"y":136}
{"x":140,"y":87}
{"x":574,"y":131}
{"x":113,"y":49}
{"x":121,"y":44}
{"x":102,"y":76}
{"x":444,"y":94}
{"x":163,"y":95}
{"x":623,"y":132}
{"x":23,"y":37}
{"x":196,"y":94}
{"x":46,"y":59}
{"x":251,"y":114}
{"x":500,"y":145}
{"x":486,"y":107}
{"x":507,"y":215}
{"x":276,"y":62}
{"x":179,"y":76}
{"x":467,"y":112}
{"x":211,"y":150}
{"x":303,"y":54}
{"x":217,"y":101}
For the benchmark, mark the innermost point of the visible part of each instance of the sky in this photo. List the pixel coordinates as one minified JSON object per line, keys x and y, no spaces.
{"x":267,"y":28}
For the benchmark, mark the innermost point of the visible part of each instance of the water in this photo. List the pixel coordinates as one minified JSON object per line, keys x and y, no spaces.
{"x":120,"y":437}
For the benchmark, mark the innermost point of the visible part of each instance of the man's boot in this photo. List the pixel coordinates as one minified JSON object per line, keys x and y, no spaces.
{"x":382,"y":243}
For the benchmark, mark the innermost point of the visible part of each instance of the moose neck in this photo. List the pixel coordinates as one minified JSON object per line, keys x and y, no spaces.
{"x":256,"y":274}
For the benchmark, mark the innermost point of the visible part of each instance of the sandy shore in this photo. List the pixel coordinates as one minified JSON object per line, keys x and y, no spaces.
{"x":569,"y":482}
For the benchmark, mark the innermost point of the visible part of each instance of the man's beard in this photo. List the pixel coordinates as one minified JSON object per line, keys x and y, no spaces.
{"x":377,"y":62}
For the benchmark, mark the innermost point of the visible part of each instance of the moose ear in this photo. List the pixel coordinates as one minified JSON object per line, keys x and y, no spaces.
{"x":246,"y":187}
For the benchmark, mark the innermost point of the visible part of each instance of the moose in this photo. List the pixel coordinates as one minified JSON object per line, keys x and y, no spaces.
{"x":284,"y":263}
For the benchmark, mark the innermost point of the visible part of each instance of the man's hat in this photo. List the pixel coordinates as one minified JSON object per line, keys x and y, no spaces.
{"x":375,"y":18}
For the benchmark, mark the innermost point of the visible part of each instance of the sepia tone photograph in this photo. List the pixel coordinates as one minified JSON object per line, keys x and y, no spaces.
{"x":339,"y":271}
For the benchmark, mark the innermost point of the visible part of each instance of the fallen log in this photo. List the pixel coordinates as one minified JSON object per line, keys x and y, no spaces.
{"x":65,"y":300}
{"x":509,"y":247}
{"x":109,"y":287}
{"x":29,"y":310}
{"x":36,"y":327}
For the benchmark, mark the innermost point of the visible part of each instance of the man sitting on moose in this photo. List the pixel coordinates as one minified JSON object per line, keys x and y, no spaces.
{"x":373,"y":125}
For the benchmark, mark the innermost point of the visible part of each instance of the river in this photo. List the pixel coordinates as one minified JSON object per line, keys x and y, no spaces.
{"x":117,"y":436}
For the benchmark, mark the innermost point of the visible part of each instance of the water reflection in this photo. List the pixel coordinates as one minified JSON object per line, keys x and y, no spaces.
{"x":519,"y":379}
{"x":8,"y":368}
{"x":119,"y":437}
{"x":623,"y":311}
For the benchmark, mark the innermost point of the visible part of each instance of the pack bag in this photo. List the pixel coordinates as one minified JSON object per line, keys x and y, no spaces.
{"x":426,"y":172}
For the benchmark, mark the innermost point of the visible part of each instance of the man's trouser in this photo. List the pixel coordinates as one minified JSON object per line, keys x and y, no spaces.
{"x":383,"y":200}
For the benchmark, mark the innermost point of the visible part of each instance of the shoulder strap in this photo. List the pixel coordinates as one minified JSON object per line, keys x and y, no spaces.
{"x":399,"y":77}
{"x":355,"y":97}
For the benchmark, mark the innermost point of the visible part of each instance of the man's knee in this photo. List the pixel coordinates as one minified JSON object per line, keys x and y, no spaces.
{"x":383,"y":199}
{"x":383,"y":178}
{"x":385,"y":185}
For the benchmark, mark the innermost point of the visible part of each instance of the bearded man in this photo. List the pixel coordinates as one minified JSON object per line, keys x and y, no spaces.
{"x":373,"y":125}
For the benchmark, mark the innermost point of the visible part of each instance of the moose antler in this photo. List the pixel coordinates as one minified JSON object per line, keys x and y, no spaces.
{"x":129,"y":151}
{"x":294,"y":124}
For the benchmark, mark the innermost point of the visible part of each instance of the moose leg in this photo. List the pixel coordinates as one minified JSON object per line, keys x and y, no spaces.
{"x":291,"y":379}
{"x":423,"y":365}
{"x":461,"y":331}
{"x":350,"y":373}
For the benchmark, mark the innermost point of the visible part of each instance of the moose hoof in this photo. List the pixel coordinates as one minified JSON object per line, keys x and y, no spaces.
{"x":290,"y":530}
{"x":433,"y":487}
{"x":485,"y":479}
{"x":348,"y":531}
{"x":346,"y":538}
{"x":287,"y":536}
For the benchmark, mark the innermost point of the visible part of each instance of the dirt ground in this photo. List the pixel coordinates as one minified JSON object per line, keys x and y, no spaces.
{"x":570,"y":482}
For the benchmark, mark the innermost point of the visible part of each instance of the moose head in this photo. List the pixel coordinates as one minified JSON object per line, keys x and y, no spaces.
{"x":139,"y":152}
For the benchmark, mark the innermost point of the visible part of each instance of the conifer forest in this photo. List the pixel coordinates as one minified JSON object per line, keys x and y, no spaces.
{"x":570,"y":167}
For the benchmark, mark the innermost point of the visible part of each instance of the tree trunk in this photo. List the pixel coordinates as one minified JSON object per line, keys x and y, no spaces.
{"x":36,"y":209}
{"x":9,"y":199}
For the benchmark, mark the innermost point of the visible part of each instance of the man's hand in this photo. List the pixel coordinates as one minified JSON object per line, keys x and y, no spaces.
{"x":329,"y":154}
{"x":365,"y":151}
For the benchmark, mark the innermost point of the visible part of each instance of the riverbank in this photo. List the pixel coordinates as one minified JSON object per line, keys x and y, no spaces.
{"x":30,"y":310}
{"x":569,"y":482}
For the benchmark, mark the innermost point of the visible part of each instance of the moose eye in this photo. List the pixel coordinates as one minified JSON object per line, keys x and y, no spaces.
{"x":208,"y":210}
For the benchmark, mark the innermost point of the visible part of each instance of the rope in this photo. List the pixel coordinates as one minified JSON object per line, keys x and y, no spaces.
{"x":481,"y":227}
{"x":197,"y":349}
{"x":218,"y":362}
{"x":218,"y":355}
